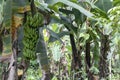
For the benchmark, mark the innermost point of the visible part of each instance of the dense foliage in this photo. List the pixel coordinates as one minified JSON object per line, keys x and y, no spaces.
{"x":60,"y":39}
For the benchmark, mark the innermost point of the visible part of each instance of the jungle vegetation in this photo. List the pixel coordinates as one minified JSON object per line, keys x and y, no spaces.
{"x":59,"y":39}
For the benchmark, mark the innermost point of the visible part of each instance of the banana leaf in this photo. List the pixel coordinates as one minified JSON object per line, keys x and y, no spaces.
{"x":7,"y":11}
{"x":71,"y":4}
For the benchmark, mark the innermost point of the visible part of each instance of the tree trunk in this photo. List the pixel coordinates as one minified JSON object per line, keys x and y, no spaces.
{"x":13,"y":68}
{"x":87,"y":56}
{"x":88,"y":61}
{"x":13,"y":62}
{"x":103,"y":67}
{"x":76,"y":62}
{"x":76,"y":59}
{"x":12,"y":75}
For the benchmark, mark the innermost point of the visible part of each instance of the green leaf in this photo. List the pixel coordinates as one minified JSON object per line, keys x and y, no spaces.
{"x":65,"y":11}
{"x":42,"y":51}
{"x":116,"y":2}
{"x":1,"y":1}
{"x":7,"y":45}
{"x":7,"y":14}
{"x":60,"y":35}
{"x":79,"y":17}
{"x":99,"y":13}
{"x":41,"y":5}
{"x":58,"y":20}
{"x":81,"y":9}
{"x":41,"y":47}
{"x":66,"y":21}
{"x":68,"y":24}
{"x":51,"y":2}
{"x":96,"y":10}
{"x":104,"y":5}
{"x":18,"y":3}
{"x":71,"y":4}
{"x":53,"y":34}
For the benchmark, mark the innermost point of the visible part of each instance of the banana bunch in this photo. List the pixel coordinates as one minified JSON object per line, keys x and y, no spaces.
{"x":35,"y":20}
{"x":31,"y":35}
{"x":29,"y":42}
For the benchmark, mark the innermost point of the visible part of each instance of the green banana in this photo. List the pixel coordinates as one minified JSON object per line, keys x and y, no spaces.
{"x":31,"y":35}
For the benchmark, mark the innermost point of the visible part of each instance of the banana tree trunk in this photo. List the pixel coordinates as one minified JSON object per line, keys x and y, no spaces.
{"x":88,"y":60}
{"x":13,"y":62}
{"x":76,"y":59}
{"x":103,"y":67}
{"x":76,"y":62}
{"x":13,"y":67}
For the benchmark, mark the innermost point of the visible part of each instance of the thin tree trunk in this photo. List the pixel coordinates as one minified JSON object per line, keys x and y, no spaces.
{"x":87,"y":56}
{"x":13,"y":67}
{"x":88,"y":60}
{"x":76,"y":62}
{"x":76,"y":59}
{"x":103,"y":67}
{"x":13,"y":62}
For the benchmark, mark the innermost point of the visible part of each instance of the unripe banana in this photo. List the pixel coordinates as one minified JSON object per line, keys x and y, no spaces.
{"x":31,"y":35}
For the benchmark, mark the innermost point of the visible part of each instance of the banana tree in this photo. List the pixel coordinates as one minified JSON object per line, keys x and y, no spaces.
{"x":93,"y":34}
{"x":106,"y":31}
{"x":87,"y":31}
{"x":11,"y":22}
{"x":17,"y":13}
{"x":104,"y":40}
{"x":74,"y":30}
